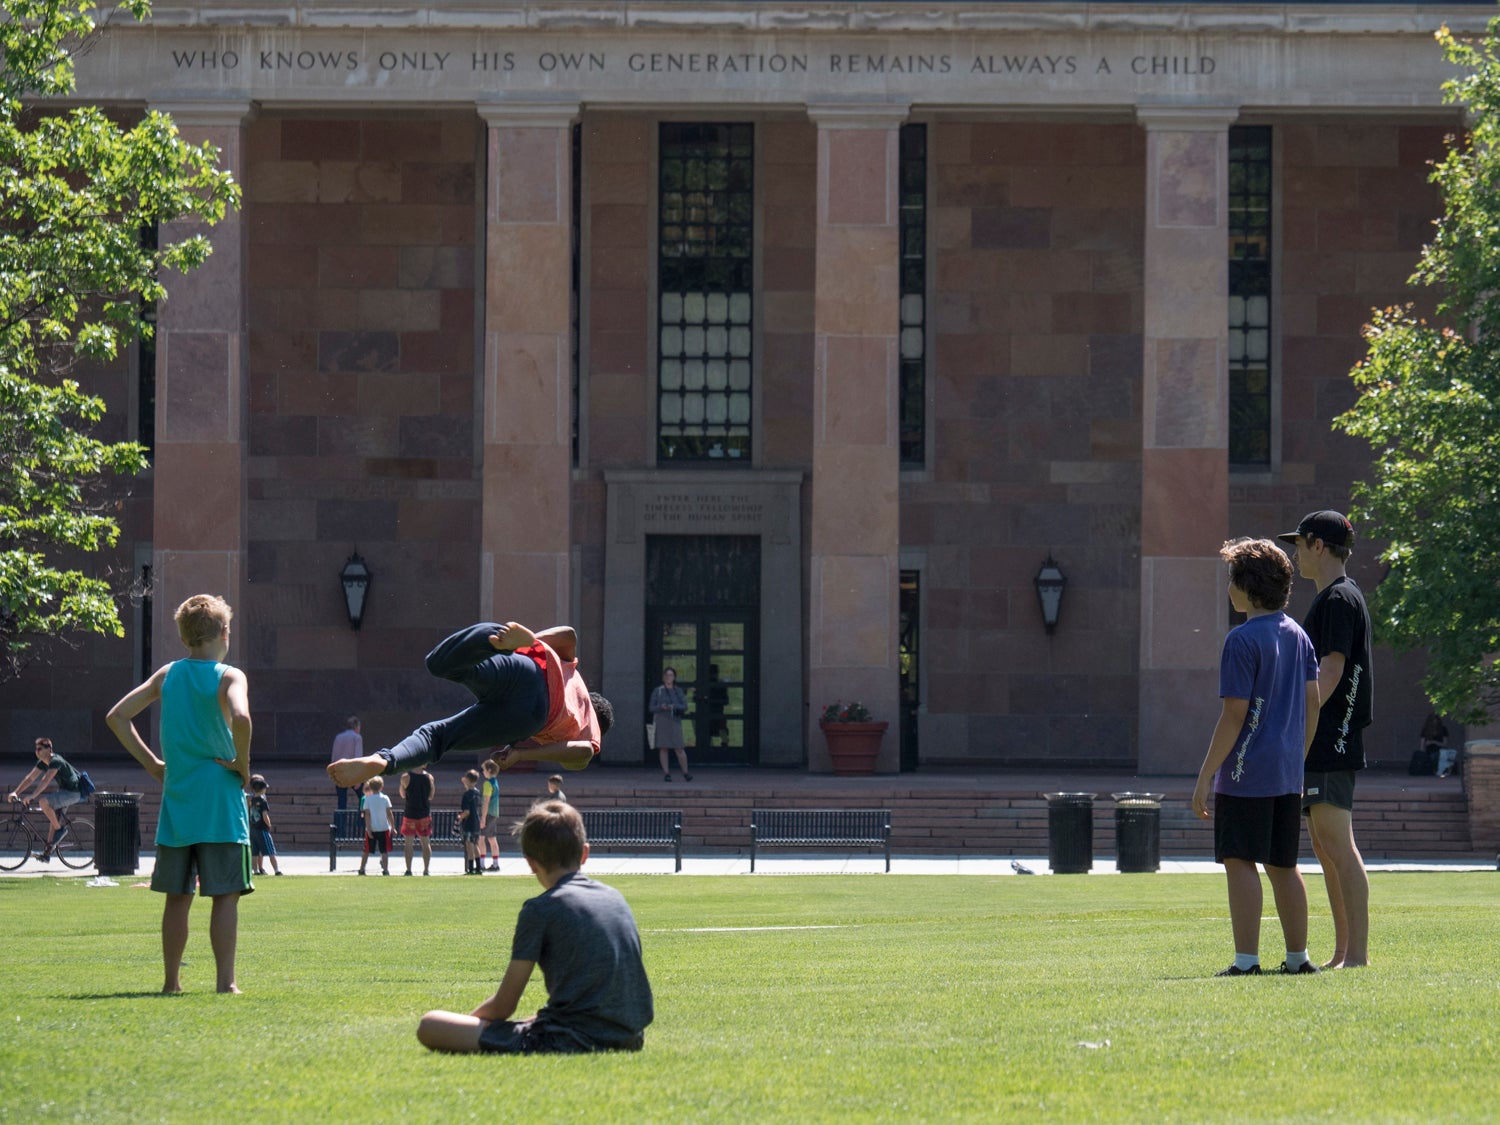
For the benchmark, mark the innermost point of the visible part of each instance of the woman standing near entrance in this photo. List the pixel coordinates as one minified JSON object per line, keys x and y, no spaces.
{"x":668,"y":706}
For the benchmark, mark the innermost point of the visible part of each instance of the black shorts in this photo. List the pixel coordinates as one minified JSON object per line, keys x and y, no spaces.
{"x":524,"y":1037}
{"x":210,"y":869}
{"x":378,"y":842}
{"x":1334,"y":787}
{"x":1258,"y":829}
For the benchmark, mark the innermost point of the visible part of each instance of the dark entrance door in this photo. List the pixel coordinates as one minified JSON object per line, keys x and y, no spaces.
{"x":702,"y":618}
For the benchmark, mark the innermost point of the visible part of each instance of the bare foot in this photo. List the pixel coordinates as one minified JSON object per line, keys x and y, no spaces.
{"x":504,"y":758}
{"x":512,"y":635}
{"x":171,"y":989}
{"x":352,"y":772}
{"x":233,"y":990}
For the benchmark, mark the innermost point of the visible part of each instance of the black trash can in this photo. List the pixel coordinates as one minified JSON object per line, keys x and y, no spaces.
{"x":117,"y":833}
{"x":1070,"y":832}
{"x":1137,"y":831}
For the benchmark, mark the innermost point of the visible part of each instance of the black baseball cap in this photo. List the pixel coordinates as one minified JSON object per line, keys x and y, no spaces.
{"x":1327,"y":525}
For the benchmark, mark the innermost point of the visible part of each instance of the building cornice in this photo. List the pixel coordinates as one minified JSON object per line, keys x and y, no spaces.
{"x":771,"y":17}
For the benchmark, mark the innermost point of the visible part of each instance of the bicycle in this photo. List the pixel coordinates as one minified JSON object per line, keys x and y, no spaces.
{"x":19,"y":837}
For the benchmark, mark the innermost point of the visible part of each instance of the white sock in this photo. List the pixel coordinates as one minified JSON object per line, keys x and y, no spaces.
{"x":1246,"y":961}
{"x":1296,"y":960}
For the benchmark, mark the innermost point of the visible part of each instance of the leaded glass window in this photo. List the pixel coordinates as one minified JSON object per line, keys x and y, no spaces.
{"x":913,"y":372}
{"x":705,"y":279}
{"x":1250,"y":296}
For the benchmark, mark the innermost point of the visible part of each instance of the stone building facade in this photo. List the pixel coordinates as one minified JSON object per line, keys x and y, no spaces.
{"x":782,"y":343}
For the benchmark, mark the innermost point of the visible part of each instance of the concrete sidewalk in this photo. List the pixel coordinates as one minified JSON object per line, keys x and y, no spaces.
{"x":855,"y":863}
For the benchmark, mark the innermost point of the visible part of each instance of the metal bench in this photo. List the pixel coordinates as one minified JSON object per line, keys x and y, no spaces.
{"x":635,"y":828}
{"x":820,"y":828}
{"x":348,"y":827}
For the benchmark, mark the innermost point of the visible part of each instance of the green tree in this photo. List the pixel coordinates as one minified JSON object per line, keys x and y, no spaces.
{"x":77,"y":189}
{"x":1429,"y":404}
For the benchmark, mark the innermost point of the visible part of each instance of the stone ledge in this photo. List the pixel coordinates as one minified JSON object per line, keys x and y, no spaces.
{"x":891,"y":16}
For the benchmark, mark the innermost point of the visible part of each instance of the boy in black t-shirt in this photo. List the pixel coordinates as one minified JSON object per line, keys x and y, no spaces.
{"x":261,"y":844}
{"x":583,"y":935}
{"x":468,"y":822}
{"x":1338,"y":624}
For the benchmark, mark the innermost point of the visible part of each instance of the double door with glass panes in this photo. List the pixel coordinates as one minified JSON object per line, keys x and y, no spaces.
{"x":713,"y":652}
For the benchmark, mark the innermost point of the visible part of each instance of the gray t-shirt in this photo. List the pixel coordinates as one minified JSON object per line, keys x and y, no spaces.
{"x":583,"y":936}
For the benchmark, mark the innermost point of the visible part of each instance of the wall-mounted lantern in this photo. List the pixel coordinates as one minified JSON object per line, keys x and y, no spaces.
{"x":1049,"y":591}
{"x":355,"y":579}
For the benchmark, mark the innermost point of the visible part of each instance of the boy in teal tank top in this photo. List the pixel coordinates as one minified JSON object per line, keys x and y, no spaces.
{"x":203,"y":832}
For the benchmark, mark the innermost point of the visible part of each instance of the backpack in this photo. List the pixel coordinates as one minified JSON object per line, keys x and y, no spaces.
{"x":85,"y":784}
{"x":1424,"y":762}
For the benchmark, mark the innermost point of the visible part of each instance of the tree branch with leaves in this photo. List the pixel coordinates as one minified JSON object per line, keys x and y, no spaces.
{"x":1429,"y":405}
{"x":77,"y":279}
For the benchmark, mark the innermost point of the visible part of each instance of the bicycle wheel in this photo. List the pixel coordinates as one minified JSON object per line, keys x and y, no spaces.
{"x":77,"y":847}
{"x":15,"y":845}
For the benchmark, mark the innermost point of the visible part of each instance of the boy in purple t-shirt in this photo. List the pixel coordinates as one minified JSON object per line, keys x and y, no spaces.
{"x":1268,"y":681}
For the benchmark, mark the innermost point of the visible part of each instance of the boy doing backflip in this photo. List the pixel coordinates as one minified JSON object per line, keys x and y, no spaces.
{"x":1268,"y":682}
{"x":203,"y":831}
{"x":584,"y":937}
{"x":529,"y":700}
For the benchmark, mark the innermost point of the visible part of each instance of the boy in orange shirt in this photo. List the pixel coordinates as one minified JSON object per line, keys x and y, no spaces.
{"x":529,"y":699}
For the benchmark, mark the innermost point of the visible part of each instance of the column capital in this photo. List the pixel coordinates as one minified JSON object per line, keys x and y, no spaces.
{"x":858,"y":114}
{"x":206,"y":112}
{"x":552,"y":113}
{"x":1187,"y":118}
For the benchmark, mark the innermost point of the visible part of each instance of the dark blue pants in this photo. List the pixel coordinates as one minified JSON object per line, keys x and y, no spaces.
{"x":510,"y":693}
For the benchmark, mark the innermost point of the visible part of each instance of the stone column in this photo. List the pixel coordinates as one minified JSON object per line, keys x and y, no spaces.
{"x":854,"y":492}
{"x":527,"y":397}
{"x":202,"y":400}
{"x":1482,"y":791}
{"x":1185,"y":432}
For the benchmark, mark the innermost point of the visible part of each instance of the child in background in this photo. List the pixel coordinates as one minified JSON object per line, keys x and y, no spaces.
{"x":554,"y":789}
{"x":203,"y":829}
{"x":583,"y":935}
{"x":377,"y":809}
{"x":261,"y":844}
{"x":468,"y":823}
{"x":1268,"y":684}
{"x":489,"y":815}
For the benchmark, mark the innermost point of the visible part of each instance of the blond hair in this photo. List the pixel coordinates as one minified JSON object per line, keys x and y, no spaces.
{"x":202,"y":618}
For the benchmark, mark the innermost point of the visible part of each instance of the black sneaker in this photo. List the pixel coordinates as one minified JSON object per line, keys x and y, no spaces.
{"x":1236,"y":971}
{"x":1305,"y":967}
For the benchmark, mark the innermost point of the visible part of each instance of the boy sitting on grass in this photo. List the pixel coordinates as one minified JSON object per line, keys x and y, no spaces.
{"x":583,"y":935}
{"x":1268,"y":680}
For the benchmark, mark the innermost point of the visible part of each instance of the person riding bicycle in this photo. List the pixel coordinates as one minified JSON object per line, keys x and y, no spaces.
{"x":49,"y":766}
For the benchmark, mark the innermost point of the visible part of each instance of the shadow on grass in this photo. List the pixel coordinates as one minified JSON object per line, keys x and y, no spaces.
{"x":157,"y":994}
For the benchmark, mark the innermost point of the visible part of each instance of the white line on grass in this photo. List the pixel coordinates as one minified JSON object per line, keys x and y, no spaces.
{"x":745,"y":929}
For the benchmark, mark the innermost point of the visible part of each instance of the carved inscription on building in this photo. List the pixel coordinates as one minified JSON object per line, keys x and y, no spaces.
{"x":693,"y":511}
{"x":356,"y":64}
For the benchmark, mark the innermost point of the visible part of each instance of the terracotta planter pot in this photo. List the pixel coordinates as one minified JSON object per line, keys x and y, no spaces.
{"x":853,"y":747}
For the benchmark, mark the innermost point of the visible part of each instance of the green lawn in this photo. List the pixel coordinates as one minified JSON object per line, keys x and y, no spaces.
{"x":904,"y":999}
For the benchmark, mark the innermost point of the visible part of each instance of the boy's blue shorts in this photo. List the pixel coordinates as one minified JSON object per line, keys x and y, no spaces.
{"x":525,"y":1037}
{"x":261,"y":842}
